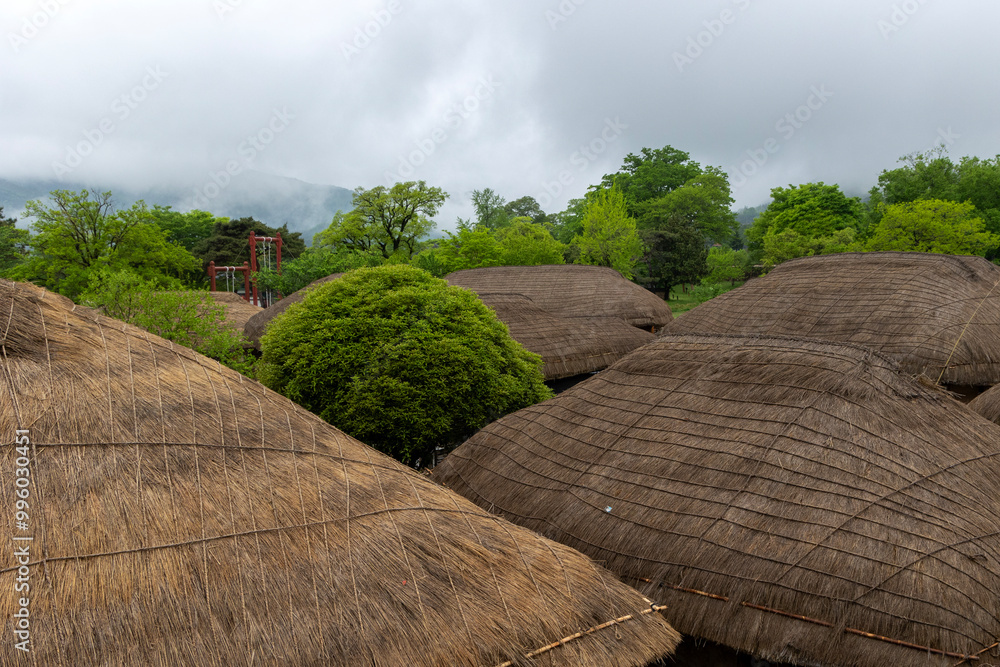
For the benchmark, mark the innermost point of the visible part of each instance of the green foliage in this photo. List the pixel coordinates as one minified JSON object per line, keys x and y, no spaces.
{"x":400,"y":360}
{"x":185,"y":229}
{"x":524,"y":243}
{"x":789,"y":244}
{"x":652,"y":174}
{"x":187,"y":317}
{"x":520,"y":243}
{"x":315,"y":263}
{"x":675,"y":254}
{"x":725,"y":264}
{"x":811,"y":210}
{"x":933,"y":225}
{"x":83,"y":232}
{"x":526,"y":207}
{"x":391,"y":221}
{"x":468,"y":249}
{"x":14,"y":243}
{"x":490,"y":209}
{"x":608,"y":236}
{"x":930,"y":175}
{"x":703,"y":203}
{"x":228,"y":244}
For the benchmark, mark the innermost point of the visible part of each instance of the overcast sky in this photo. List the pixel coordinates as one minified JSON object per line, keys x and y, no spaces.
{"x":528,"y":97}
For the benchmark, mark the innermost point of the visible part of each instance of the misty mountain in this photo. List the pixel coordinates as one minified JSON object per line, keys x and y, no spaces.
{"x":274,"y":200}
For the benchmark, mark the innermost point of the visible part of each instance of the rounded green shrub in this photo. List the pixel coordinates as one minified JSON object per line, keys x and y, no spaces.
{"x":400,"y":360}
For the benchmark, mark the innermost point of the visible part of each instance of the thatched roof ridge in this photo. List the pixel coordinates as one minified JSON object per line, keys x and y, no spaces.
{"x":256,"y":325}
{"x":571,"y":290}
{"x":783,"y":496}
{"x":568,"y":345}
{"x":185,"y":515}
{"x":938,"y":315}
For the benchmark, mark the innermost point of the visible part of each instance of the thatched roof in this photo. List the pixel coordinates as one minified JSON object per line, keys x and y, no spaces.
{"x":931,"y":313}
{"x":238,"y":311}
{"x":802,"y":501}
{"x":568,"y":345}
{"x":185,"y":515}
{"x":256,"y":325}
{"x":571,"y":290}
{"x":987,"y":404}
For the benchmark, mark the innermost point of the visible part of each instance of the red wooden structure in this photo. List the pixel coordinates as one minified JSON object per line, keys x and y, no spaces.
{"x":249,"y":270}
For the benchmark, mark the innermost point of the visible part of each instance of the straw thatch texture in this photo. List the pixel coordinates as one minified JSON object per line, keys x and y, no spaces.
{"x":987,"y":404}
{"x":568,"y":345}
{"x":238,"y":311}
{"x":749,"y":482}
{"x":256,"y":325}
{"x":572,"y":290}
{"x":185,"y":515}
{"x":931,"y":313}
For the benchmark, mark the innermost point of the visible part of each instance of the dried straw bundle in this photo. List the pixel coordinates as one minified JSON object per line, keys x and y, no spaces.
{"x":256,"y":325}
{"x":799,"y":500}
{"x":987,"y":404}
{"x":571,"y":290}
{"x":184,"y":515}
{"x":934,"y":314}
{"x":568,"y":345}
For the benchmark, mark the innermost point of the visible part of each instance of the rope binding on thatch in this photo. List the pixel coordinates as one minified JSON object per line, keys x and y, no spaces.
{"x":653,"y":607}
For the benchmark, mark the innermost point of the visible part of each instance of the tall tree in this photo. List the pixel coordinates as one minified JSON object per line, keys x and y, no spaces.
{"x":391,"y":221}
{"x":609,"y":236}
{"x":490,"y":209}
{"x":675,"y":254}
{"x":187,"y":229}
{"x":81,"y":232}
{"x":14,"y":243}
{"x":526,"y":207}
{"x":811,"y":210}
{"x":703,"y":203}
{"x":652,"y":174}
{"x":933,"y":225}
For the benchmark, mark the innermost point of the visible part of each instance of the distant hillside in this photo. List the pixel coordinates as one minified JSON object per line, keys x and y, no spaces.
{"x":274,"y":200}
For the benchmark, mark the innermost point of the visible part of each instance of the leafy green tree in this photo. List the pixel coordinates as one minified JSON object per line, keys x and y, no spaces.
{"x":929,"y":175}
{"x":526,"y":207}
{"x":490,"y":209}
{"x":933,"y":225}
{"x":400,"y":360}
{"x":317,"y":261}
{"x":979,"y":184}
{"x":228,"y":245}
{"x":725,"y":264}
{"x":675,"y":255}
{"x":14,"y":243}
{"x":810,"y":209}
{"x":389,"y":220}
{"x":609,"y":236}
{"x":652,"y":174}
{"x":524,"y":243}
{"x":187,"y":317}
{"x":82,"y":232}
{"x":703,"y":202}
{"x":469,"y":248}
{"x":187,"y":229}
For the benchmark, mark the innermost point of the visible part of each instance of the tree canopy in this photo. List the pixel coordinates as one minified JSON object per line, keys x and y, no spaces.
{"x":186,"y":229}
{"x":400,"y":360}
{"x":14,"y":243}
{"x":391,"y":221}
{"x":228,"y":244}
{"x":933,"y":225}
{"x":81,"y":232}
{"x":608,"y":235}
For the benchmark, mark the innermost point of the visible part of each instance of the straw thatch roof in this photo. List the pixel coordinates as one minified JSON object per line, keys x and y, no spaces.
{"x":256,"y":325}
{"x":185,"y":515}
{"x":568,"y":345}
{"x":987,"y":404}
{"x":571,"y":290}
{"x":931,"y":313}
{"x":238,"y":311}
{"x":802,"y":501}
